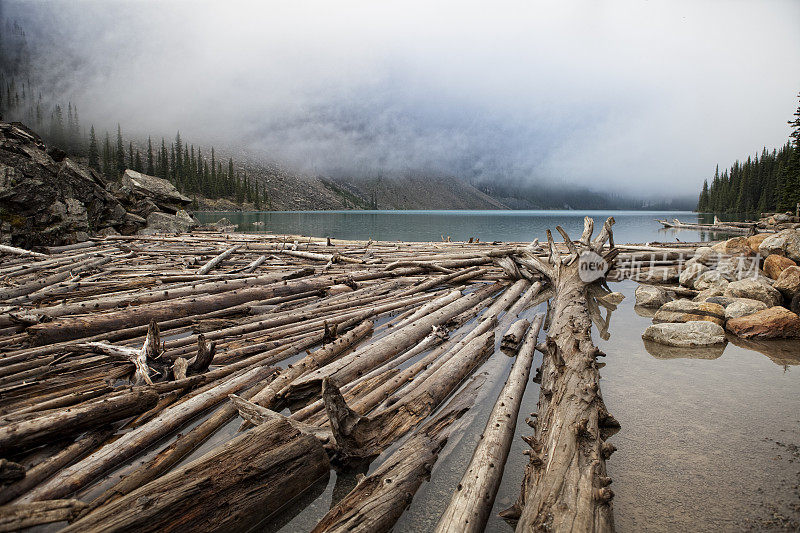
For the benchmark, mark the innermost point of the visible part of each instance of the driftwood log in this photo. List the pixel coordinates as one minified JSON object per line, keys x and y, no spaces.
{"x":232,"y":486}
{"x":472,"y":502}
{"x":376,"y":503}
{"x":565,"y":486}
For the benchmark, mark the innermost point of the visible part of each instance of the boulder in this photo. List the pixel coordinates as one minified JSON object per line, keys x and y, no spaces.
{"x":754,"y":289}
{"x":687,"y":311}
{"x":151,"y":190}
{"x":788,"y":283}
{"x":46,"y":198}
{"x":612,"y":298}
{"x":158,"y":222}
{"x":743,"y":307}
{"x":785,"y":243}
{"x":711,"y":279}
{"x":773,"y":323}
{"x":695,"y":333}
{"x":691,"y":273}
{"x":705,"y":255}
{"x":650,"y":296}
{"x":755,"y":241}
{"x":738,"y":267}
{"x":734,"y":246}
{"x":724,"y":301}
{"x":774,"y":264}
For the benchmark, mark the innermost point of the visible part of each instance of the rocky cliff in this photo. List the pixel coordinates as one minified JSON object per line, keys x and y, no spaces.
{"x":48,"y":199}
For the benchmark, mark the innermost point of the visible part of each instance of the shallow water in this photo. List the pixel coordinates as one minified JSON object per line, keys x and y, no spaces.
{"x":709,"y":440}
{"x":520,"y":226}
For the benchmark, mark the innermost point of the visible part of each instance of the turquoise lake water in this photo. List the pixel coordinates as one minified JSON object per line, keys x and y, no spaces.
{"x":516,"y":226}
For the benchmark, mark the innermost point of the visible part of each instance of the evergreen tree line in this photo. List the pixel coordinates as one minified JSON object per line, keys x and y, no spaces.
{"x":189,"y":169}
{"x":765,"y":183}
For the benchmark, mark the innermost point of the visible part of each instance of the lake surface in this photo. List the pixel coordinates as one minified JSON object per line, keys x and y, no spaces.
{"x":508,"y":226}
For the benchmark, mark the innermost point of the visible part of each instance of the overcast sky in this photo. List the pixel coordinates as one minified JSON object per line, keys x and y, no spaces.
{"x":632,"y":96}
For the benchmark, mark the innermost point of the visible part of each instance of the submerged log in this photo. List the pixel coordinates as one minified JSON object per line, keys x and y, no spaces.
{"x":360,"y":437}
{"x":566,"y":486}
{"x":229,"y":488}
{"x":376,"y":503}
{"x":472,"y":502}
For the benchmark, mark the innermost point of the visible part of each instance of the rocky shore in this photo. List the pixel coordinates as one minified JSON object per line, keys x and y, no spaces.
{"x":747,"y":287}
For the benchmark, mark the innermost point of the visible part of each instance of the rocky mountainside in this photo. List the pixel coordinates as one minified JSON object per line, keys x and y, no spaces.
{"x":48,"y":199}
{"x":295,"y":191}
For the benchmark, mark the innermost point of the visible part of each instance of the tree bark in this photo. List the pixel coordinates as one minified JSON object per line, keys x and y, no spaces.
{"x":24,"y":434}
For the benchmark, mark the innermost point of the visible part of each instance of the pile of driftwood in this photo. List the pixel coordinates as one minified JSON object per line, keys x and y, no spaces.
{"x":122,"y":358}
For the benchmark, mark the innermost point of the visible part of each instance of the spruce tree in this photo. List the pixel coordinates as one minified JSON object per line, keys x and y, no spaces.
{"x":119,"y":155}
{"x":94,"y":156}
{"x":150,"y":163}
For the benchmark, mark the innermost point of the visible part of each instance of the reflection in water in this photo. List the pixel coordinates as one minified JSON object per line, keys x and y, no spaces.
{"x":662,"y":351}
{"x":782,"y":352}
{"x":488,"y":226}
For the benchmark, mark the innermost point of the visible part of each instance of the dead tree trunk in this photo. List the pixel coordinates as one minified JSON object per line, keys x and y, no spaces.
{"x":360,"y":437}
{"x":472,"y":502}
{"x":378,"y":500}
{"x":565,"y":486}
{"x":230,"y":487}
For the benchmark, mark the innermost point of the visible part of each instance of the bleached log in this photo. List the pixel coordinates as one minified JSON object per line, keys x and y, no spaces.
{"x":359,"y":437}
{"x":471,"y":504}
{"x":208,"y":267}
{"x":565,"y":486}
{"x":368,"y":357}
{"x":20,"y":251}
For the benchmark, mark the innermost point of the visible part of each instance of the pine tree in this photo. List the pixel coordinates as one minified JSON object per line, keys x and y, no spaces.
{"x":137,"y":162}
{"x":702,"y":204}
{"x":151,"y":170}
{"x":119,"y":156}
{"x":94,"y":157}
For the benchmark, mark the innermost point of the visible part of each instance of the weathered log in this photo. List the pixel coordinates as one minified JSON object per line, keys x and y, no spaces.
{"x":368,"y":357}
{"x":208,"y":267}
{"x":514,"y":335}
{"x":43,"y":470}
{"x":230,"y":487}
{"x":205,"y":354}
{"x":20,"y":251}
{"x":79,"y":326}
{"x":566,"y":486}
{"x":360,"y":437}
{"x":174,"y":453}
{"x":128,"y":445}
{"x":314,"y":360}
{"x":18,"y":517}
{"x":10,"y":472}
{"x":472,"y":502}
{"x":35,"y":430}
{"x":376,"y":503}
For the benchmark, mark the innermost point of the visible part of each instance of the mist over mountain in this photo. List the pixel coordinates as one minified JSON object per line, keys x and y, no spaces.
{"x":590,"y":102}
